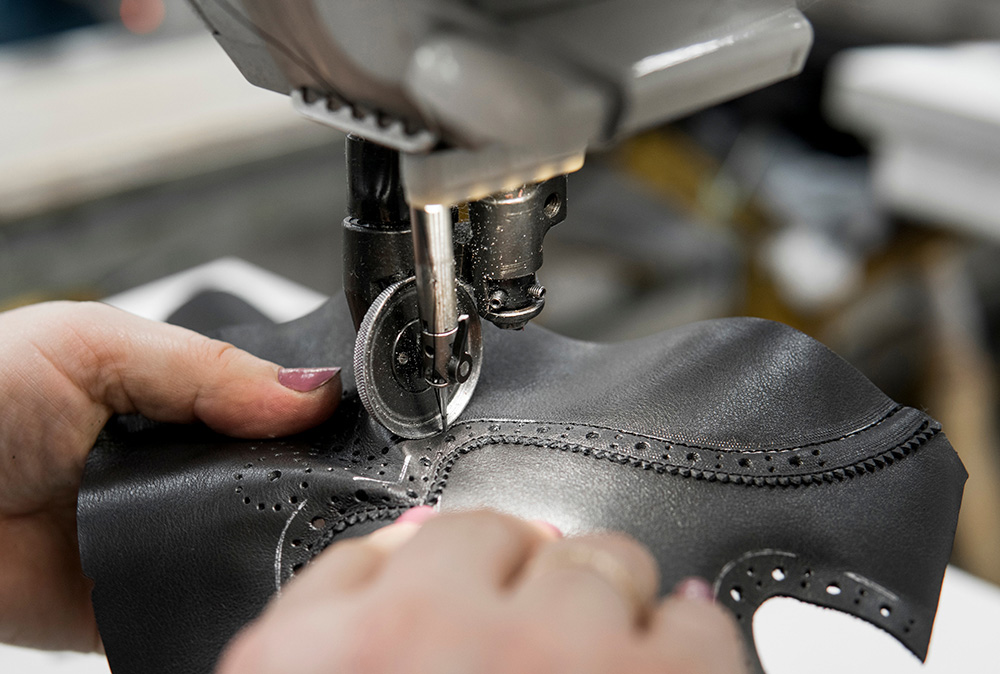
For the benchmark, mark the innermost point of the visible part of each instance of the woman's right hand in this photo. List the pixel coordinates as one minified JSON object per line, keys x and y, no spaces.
{"x":485,"y":593}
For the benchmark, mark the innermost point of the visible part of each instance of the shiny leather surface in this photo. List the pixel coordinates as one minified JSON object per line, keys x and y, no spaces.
{"x":739,"y":450}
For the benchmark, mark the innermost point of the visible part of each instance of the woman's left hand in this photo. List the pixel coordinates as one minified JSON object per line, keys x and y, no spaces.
{"x":65,"y":368}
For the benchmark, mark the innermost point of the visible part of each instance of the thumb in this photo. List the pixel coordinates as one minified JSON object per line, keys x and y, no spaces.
{"x":130,"y":364}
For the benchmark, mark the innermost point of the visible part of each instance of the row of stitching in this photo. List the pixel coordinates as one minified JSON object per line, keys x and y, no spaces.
{"x":353,"y":518}
{"x":868,"y":465}
{"x":714,"y":448}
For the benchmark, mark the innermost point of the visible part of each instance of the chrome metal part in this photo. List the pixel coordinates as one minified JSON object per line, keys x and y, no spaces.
{"x":388,"y":364}
{"x":505,"y":249}
{"x":434,"y":262}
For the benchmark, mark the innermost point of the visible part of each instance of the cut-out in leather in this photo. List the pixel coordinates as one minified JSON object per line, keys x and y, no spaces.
{"x":738,"y":450}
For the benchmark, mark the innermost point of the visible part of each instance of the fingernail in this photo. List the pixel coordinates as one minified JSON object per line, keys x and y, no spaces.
{"x":417,"y":515}
{"x":694,"y":588}
{"x":306,"y":379}
{"x":548,"y":528}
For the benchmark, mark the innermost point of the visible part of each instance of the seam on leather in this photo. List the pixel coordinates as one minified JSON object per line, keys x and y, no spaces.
{"x":350,"y":519}
{"x":866,"y":464}
{"x":716,"y":448}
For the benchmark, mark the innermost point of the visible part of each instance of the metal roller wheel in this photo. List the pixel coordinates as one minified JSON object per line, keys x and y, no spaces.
{"x":387,"y":364}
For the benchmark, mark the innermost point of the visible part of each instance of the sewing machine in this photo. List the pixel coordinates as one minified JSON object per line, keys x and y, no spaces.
{"x":464,"y":119}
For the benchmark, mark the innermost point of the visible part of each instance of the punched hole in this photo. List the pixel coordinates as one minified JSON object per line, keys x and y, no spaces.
{"x":736,"y":593}
{"x":778,"y":573}
{"x":318,"y":523}
{"x":833,"y":589}
{"x":885,"y":612}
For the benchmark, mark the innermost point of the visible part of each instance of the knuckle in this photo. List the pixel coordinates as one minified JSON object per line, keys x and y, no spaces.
{"x":630,"y":551}
{"x":219,"y":353}
{"x":485,"y":524}
{"x":621,"y":542}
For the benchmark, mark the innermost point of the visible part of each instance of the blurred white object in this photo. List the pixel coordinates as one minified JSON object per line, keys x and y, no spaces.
{"x":274,"y":296}
{"x":14,"y":660}
{"x":932,"y":115}
{"x":810,"y":269}
{"x":98,"y":113}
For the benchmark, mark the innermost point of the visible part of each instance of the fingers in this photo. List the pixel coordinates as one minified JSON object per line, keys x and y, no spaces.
{"x":352,"y":564}
{"x":167,"y":373}
{"x":377,"y":604}
{"x":468,"y":552}
{"x":694,"y":635}
{"x":606,"y":575}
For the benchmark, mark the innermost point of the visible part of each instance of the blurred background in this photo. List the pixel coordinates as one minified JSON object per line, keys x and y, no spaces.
{"x":858,"y":202}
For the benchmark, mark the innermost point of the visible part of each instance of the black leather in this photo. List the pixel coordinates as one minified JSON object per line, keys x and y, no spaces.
{"x":738,"y":450}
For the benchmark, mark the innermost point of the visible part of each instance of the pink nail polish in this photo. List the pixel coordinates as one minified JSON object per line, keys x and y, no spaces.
{"x":417,"y":515}
{"x":306,"y":379}
{"x":549,"y":527}
{"x":696,"y":589}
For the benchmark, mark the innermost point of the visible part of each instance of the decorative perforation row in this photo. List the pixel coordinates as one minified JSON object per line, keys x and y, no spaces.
{"x":838,"y":460}
{"x":316,"y":534}
{"x":317,"y":485}
{"x":746,"y":583}
{"x":340,"y":524}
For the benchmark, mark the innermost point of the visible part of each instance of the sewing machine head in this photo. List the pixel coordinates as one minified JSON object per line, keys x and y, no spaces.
{"x":465,"y":117}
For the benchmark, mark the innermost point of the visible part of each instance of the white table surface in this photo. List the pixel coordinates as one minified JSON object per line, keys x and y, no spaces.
{"x":792,"y":637}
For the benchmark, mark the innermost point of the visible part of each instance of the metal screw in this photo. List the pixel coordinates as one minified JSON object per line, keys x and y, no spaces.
{"x":497,"y":299}
{"x":537,"y":291}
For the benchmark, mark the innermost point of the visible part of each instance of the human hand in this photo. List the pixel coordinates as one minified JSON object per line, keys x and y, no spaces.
{"x":486,"y":593}
{"x":65,"y":368}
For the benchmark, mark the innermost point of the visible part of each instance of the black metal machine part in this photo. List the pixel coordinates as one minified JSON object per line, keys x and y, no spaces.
{"x":498,"y":240}
{"x":378,"y":250}
{"x":505,"y":249}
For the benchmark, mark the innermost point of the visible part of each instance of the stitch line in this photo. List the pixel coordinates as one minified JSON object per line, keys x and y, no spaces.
{"x":869,"y":464}
{"x":369,"y":514}
{"x":687,"y":445}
